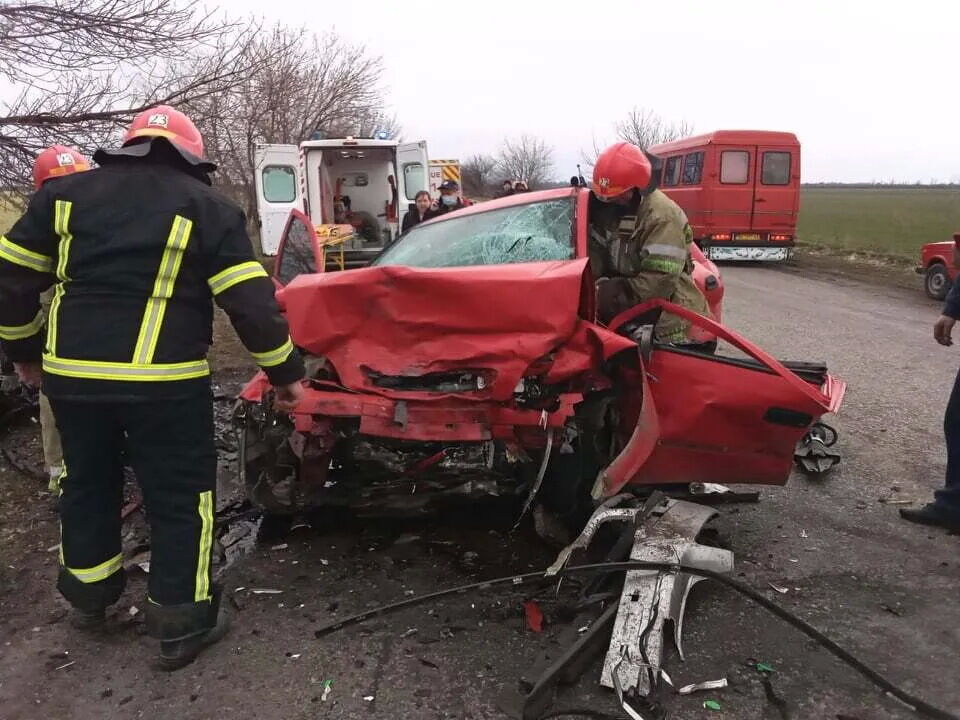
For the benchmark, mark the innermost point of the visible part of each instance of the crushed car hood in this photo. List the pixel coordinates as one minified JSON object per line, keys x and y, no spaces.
{"x":399,"y":322}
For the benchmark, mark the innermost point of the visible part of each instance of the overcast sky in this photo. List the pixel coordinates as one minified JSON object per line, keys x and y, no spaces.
{"x":870,"y":88}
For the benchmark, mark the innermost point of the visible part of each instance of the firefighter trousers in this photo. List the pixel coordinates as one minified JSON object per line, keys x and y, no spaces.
{"x":170,"y":445}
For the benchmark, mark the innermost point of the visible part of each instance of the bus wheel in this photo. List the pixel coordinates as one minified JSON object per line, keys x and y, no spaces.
{"x":936,"y":282}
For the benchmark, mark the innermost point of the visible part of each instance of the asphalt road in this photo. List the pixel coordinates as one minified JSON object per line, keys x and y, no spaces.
{"x":886,"y":589}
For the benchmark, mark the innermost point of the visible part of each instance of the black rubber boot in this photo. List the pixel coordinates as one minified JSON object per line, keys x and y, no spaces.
{"x":88,"y":619}
{"x":180,"y":640}
{"x":932,"y":514}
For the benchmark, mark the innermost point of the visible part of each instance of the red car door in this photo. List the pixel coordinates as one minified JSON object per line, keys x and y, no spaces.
{"x":709,"y":418}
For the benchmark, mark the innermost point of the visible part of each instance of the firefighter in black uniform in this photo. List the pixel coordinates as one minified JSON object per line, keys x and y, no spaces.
{"x":137,"y":249}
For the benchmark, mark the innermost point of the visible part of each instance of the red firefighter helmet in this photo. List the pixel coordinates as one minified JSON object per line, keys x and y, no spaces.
{"x":57,"y":161}
{"x":620,"y":168}
{"x":167,"y":122}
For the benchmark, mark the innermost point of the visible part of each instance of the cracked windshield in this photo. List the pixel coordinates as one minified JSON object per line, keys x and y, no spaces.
{"x":524,"y":233}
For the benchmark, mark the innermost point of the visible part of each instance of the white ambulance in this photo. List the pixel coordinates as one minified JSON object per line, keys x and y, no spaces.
{"x":366,"y":183}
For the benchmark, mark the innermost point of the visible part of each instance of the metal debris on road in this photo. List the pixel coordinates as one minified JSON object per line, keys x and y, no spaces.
{"x":705,"y":488}
{"x":368,"y":698}
{"x":66,"y":665}
{"x":409,"y":633}
{"x":781,"y":590}
{"x":650,"y":598}
{"x":813,"y":456}
{"x":266,"y":591}
{"x":892,"y":501}
{"x":281,"y":546}
{"x":707,"y":685}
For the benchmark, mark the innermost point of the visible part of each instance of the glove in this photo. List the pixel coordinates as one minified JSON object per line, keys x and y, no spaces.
{"x":613,"y":297}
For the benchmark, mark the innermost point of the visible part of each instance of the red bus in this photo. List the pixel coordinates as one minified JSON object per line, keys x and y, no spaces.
{"x":739,"y":188}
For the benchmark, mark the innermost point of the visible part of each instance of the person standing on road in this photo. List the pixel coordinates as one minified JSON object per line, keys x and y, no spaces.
{"x":449,"y":198}
{"x":639,"y":243}
{"x":416,"y":215}
{"x":138,"y":249}
{"x":54,"y":162}
{"x":944,"y":511}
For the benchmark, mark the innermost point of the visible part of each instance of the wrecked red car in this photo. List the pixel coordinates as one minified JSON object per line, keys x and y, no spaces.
{"x":467,"y":363}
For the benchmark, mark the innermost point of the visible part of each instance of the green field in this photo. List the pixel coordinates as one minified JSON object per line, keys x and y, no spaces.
{"x":891,"y":221}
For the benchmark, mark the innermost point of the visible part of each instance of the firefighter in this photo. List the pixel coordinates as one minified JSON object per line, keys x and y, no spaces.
{"x":639,"y":242}
{"x":54,"y":162}
{"x":138,"y":248}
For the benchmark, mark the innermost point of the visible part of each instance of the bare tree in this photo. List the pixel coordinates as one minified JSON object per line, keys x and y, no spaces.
{"x":313,"y":83}
{"x":527,"y":158}
{"x":81,"y":68}
{"x":644,"y":128}
{"x":477,"y":172}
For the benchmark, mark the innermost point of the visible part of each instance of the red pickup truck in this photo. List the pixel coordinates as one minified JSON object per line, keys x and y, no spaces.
{"x":938,"y":267}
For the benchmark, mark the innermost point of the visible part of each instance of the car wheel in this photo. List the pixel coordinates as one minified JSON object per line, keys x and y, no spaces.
{"x":936,"y":282}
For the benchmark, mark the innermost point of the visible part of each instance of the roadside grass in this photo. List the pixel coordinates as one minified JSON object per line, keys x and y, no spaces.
{"x":877,"y":223}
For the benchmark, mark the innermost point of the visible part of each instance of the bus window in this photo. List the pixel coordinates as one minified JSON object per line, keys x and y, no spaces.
{"x":671,"y":172}
{"x":734,"y":167}
{"x":692,"y":168}
{"x":776,"y":168}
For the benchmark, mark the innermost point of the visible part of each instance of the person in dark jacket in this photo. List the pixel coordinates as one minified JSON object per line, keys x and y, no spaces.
{"x":138,"y":249}
{"x":450,"y":199}
{"x":944,"y":511}
{"x":418,"y":214}
{"x":507,"y":189}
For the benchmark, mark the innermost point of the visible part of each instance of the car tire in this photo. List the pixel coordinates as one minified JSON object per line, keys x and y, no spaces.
{"x":936,"y":281}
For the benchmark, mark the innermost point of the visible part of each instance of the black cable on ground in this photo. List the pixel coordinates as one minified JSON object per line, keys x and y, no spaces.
{"x":916,"y":704}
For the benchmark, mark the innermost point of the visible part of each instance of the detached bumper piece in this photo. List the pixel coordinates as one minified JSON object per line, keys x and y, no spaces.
{"x":663,"y":532}
{"x":813,"y":455}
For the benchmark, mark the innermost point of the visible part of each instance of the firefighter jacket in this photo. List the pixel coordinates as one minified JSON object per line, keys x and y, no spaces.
{"x":136,"y":251}
{"x":645,"y":252}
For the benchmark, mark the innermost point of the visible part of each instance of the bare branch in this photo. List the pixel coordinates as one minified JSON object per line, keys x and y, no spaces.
{"x":476,"y":172}
{"x":528,"y":159}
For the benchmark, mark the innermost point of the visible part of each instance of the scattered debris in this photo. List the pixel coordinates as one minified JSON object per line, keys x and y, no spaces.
{"x":409,"y":633}
{"x":327,"y":689}
{"x":470,"y":560}
{"x":813,"y":455}
{"x":428,"y":663}
{"x":294,"y":656}
{"x":266,"y":591}
{"x":898,"y":611}
{"x":281,"y":546}
{"x":650,"y":599}
{"x":893,"y":501}
{"x":701,"y":488}
{"x":707,"y":685}
{"x":764,"y":667}
{"x":66,"y":665}
{"x":53,"y":548}
{"x":666,"y":678}
{"x":534,"y":616}
{"x":133,"y":610}
{"x":781,"y":590}
{"x":803,"y":534}
{"x":368,"y":698}
{"x":712,"y":705}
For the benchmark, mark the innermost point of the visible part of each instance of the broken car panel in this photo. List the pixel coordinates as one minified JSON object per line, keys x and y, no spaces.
{"x":439,"y":373}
